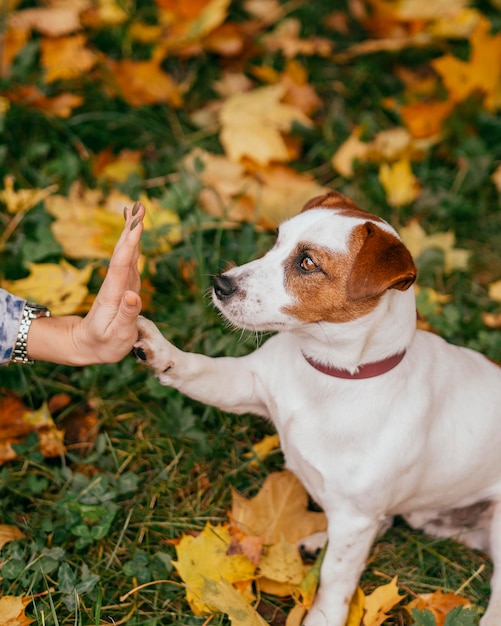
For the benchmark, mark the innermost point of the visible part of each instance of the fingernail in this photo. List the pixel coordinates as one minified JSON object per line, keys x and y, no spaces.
{"x":135,"y":223}
{"x":135,"y":208}
{"x":125,"y":213}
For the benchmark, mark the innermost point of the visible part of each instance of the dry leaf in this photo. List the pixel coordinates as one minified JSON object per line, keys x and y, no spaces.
{"x":118,"y":168}
{"x":253,"y":124}
{"x":379,"y":602}
{"x":9,"y":533}
{"x":17,"y":421}
{"x":425,"y":119}
{"x":279,"y":509}
{"x":262,"y":448}
{"x":59,"y":286}
{"x":144,"y":82}
{"x":50,"y":21}
{"x":22,"y":200}
{"x":221,"y":595}
{"x":14,"y":41}
{"x":61,"y":105}
{"x":356,"y":612}
{"x":349,"y":151}
{"x":281,"y":563}
{"x":66,"y":58}
{"x":416,"y":240}
{"x":438,"y":603}
{"x":204,"y":558}
{"x":482,"y":72}
{"x":495,"y":291}
{"x":12,"y":611}
{"x":286,"y":39}
{"x":400,"y":184}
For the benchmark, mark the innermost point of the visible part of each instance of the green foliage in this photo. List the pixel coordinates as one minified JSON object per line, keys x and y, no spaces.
{"x":459,"y":616}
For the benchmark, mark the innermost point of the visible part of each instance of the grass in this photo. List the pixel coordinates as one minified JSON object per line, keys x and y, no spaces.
{"x":99,"y":524}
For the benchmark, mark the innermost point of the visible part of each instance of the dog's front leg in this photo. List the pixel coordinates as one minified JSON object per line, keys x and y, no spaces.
{"x":350,"y":539}
{"x":225,"y":382}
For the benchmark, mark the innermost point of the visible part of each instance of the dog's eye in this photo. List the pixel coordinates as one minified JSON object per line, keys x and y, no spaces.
{"x":307,"y":264}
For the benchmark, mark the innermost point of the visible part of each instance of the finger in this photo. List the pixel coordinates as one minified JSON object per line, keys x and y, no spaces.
{"x":125,"y":321}
{"x":123,"y":263}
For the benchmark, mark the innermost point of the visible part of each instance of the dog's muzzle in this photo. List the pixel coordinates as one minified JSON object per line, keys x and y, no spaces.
{"x":224,"y":287}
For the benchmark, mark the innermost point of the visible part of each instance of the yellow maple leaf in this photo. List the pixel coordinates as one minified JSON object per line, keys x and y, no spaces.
{"x":399,"y":182}
{"x":66,"y":57}
{"x":482,"y":72}
{"x":356,"y":611}
{"x":286,"y":38}
{"x":379,"y":602}
{"x":22,"y":200}
{"x":9,"y":533}
{"x":253,"y":124}
{"x":349,"y":151}
{"x":59,"y":286}
{"x":221,"y":595}
{"x":12,"y":611}
{"x":415,"y":238}
{"x":204,"y":558}
{"x":280,"y":508}
{"x":88,"y":225}
{"x":281,"y":563}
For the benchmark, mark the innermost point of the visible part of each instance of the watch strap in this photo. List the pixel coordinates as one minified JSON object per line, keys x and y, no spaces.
{"x":31,"y":312}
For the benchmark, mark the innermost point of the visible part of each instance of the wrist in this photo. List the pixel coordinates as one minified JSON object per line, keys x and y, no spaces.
{"x":31,"y":312}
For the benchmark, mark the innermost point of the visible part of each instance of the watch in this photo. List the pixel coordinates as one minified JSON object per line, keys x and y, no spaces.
{"x":31,"y":312}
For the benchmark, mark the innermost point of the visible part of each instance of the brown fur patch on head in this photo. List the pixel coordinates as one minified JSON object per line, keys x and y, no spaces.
{"x":341,"y":287}
{"x":342,"y":204}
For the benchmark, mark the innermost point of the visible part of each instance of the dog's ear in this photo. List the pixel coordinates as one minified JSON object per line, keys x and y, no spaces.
{"x":382,"y":263}
{"x":331,"y":200}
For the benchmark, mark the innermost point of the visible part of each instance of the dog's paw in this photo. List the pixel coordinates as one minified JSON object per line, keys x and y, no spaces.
{"x":153,"y":349}
{"x":311,"y":546}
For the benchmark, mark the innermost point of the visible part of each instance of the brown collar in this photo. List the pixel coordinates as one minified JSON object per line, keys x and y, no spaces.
{"x":367,"y":370}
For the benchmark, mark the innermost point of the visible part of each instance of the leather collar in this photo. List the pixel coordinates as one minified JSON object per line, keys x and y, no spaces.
{"x":367,"y":370}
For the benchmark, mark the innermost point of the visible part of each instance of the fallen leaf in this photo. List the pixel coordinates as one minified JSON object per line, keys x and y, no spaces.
{"x":482,"y":72}
{"x":415,"y":238}
{"x":61,"y":287}
{"x":286,"y":39}
{"x":379,"y":602}
{"x":307,"y":588}
{"x":438,"y":603}
{"x":50,"y":21}
{"x":356,"y":611}
{"x":349,"y":151}
{"x":66,"y":58}
{"x":104,"y":13}
{"x":262,"y":448}
{"x":12,"y":611}
{"x":399,"y":182}
{"x":279,"y":509}
{"x":22,"y":200}
{"x":15,"y":38}
{"x":495,"y":291}
{"x":253,"y":124}
{"x":281,"y":563}
{"x":425,"y":119}
{"x":221,"y":595}
{"x":17,"y":421}
{"x":141,"y":83}
{"x":118,"y":168}
{"x":60,"y":106}
{"x":204,"y":558}
{"x":9,"y":533}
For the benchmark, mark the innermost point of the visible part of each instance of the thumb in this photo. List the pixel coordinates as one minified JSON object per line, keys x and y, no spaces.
{"x":130,"y":307}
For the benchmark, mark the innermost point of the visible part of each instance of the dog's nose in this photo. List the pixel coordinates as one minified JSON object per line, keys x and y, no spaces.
{"x":224,"y":287}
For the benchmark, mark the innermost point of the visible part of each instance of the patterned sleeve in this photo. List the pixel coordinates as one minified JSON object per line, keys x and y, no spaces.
{"x":11,"y":310}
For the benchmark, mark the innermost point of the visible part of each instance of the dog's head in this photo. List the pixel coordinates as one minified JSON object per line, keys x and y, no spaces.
{"x":331,"y":263}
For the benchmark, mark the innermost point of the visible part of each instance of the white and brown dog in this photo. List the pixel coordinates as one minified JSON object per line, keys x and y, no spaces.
{"x":375,"y":417}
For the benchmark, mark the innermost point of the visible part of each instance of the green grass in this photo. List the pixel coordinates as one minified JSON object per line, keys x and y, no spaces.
{"x":99,"y":526}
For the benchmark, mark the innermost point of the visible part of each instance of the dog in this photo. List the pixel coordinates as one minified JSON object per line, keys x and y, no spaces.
{"x":375,"y":417}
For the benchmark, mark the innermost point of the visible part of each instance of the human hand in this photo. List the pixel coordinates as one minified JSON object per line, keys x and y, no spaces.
{"x":109,"y":330}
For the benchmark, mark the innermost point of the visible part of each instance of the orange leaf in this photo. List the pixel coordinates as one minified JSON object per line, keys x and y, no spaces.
{"x":482,"y":72}
{"x":9,"y":533}
{"x":14,"y":41}
{"x":425,"y":119}
{"x":144,"y":82}
{"x":12,"y":611}
{"x":438,"y":603}
{"x":61,"y":105}
{"x":66,"y":57}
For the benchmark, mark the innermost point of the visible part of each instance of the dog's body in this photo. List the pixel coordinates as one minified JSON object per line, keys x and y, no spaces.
{"x":374,"y":417}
